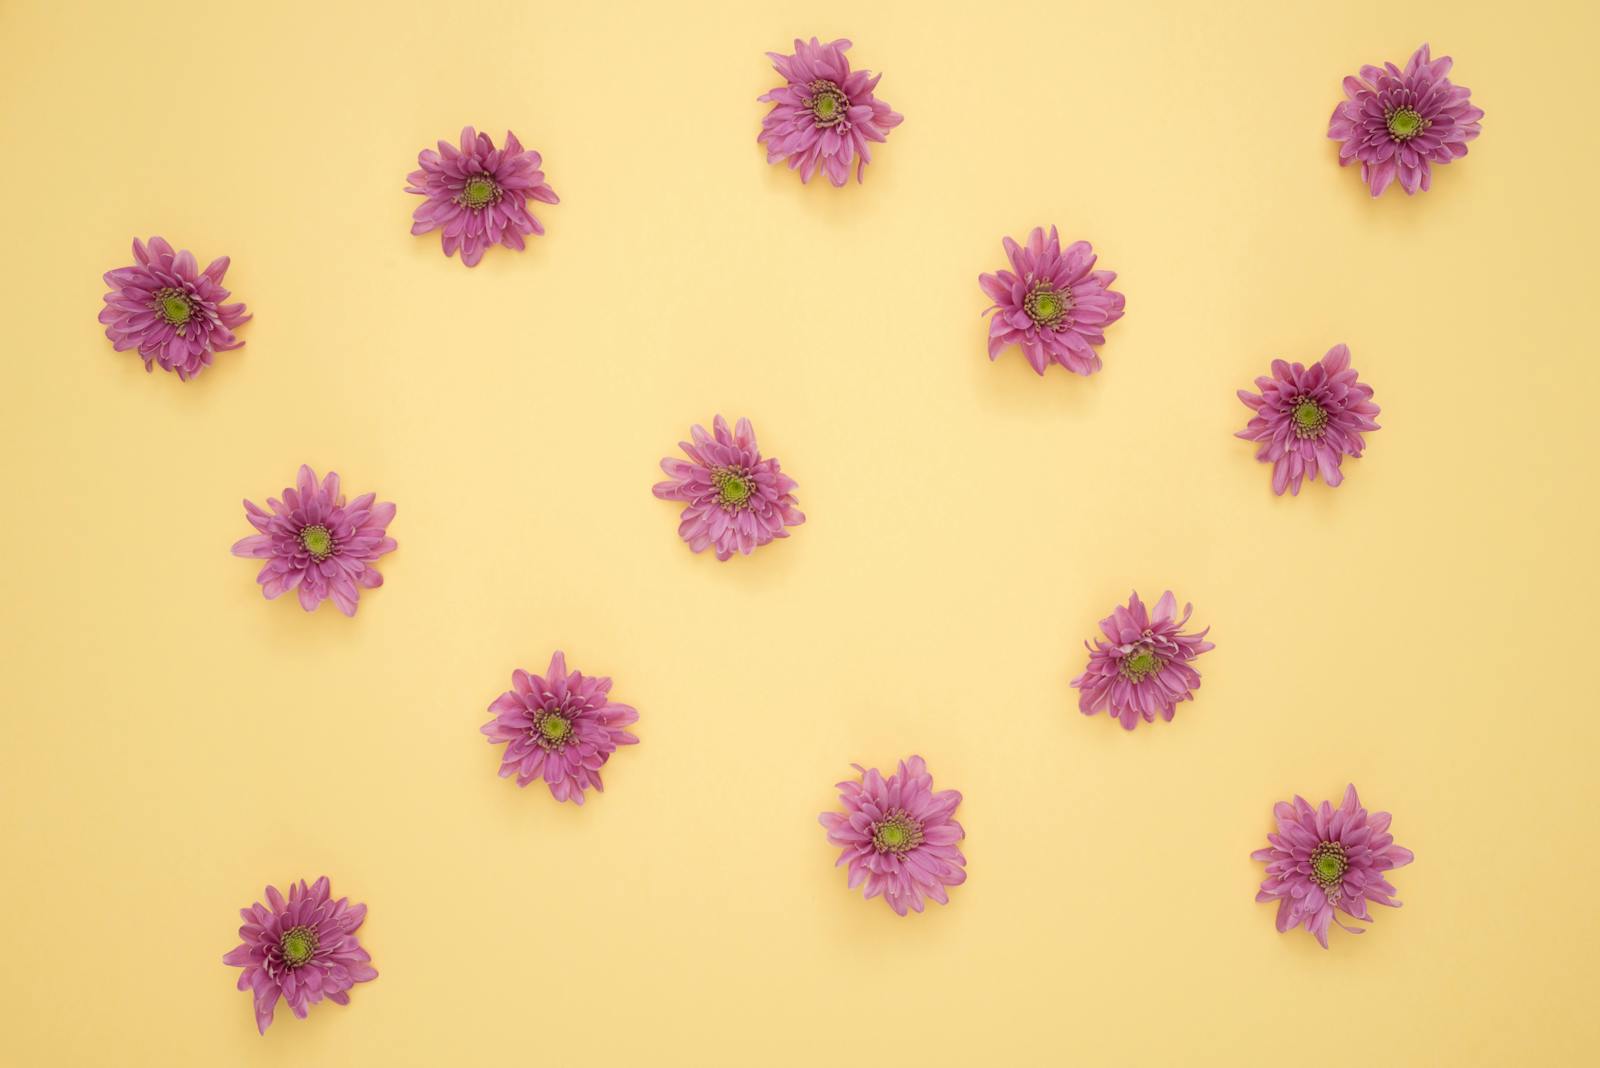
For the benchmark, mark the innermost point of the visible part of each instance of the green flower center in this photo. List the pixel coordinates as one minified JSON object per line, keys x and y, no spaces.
{"x":897,"y":833}
{"x":297,"y":945}
{"x":317,"y":541}
{"x":1046,"y":305}
{"x":828,"y":104}
{"x":553,"y":730}
{"x":1309,"y":418}
{"x":1328,"y":865}
{"x":480,"y":192}
{"x":1406,"y":123}
{"x":733,"y":487}
{"x":173,"y":306}
{"x":1140,"y":664}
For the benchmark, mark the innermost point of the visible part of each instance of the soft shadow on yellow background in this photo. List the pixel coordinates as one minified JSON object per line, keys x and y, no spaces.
{"x":172,"y":742}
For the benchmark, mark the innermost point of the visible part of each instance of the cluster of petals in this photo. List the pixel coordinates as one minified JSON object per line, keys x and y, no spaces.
{"x":734,"y":499}
{"x":897,"y":836}
{"x":824,"y":115}
{"x":1144,"y":666}
{"x":316,"y":543}
{"x":301,"y":948}
{"x":1052,"y":303}
{"x":1324,"y":861}
{"x":561,"y":727}
{"x":169,"y":310}
{"x":1398,"y":123}
{"x":1308,"y":419}
{"x":477,"y":195}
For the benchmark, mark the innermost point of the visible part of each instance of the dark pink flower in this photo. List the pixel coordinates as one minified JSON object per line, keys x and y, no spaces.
{"x":825,"y":114}
{"x":314,"y":542}
{"x":478,"y":194}
{"x":898,"y":837}
{"x":1399,"y":123}
{"x":303,"y":948}
{"x":1308,"y":419}
{"x":1144,"y":665}
{"x":1323,"y":861}
{"x":561,"y":728}
{"x":1052,"y":303}
{"x":170,"y":310}
{"x":733,"y":500}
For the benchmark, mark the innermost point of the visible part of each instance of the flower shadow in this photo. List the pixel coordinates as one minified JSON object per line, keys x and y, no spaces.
{"x":1008,"y":384}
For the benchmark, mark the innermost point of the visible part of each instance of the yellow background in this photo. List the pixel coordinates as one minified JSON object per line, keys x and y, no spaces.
{"x":173,"y":742}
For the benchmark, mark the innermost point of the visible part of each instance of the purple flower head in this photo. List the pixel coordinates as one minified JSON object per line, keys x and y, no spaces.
{"x":1052,"y":303}
{"x":170,"y":310}
{"x":1325,"y":860}
{"x":1144,"y":665}
{"x":478,"y":194}
{"x":561,"y":728}
{"x":303,"y":948}
{"x":1308,"y":419}
{"x":733,"y":500}
{"x":314,"y":542}
{"x":1399,"y":123}
{"x":897,"y":837}
{"x":825,"y":114}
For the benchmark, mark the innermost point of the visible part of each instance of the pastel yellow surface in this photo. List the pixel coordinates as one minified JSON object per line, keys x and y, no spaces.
{"x":172,"y":742}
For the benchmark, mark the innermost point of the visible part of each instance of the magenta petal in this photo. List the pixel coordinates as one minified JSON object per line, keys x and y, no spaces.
{"x":476,"y":194}
{"x":823,"y":117}
{"x":735,"y":500}
{"x":1053,"y":306}
{"x":897,"y":836}
{"x":1395,"y":122}
{"x":560,"y":727}
{"x":1306,"y":421}
{"x":1322,"y":861}
{"x":1143,"y":667}
{"x":168,"y":310}
{"x":300,"y":947}
{"x":317,"y":543}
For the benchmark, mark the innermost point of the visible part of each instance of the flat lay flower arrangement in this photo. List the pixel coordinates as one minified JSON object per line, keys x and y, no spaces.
{"x":1052,"y":302}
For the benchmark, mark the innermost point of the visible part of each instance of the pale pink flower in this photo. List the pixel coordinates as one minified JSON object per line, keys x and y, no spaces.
{"x":1399,"y":123}
{"x":898,"y":836}
{"x":1144,"y":665}
{"x":302,"y":948}
{"x":478,"y":194}
{"x":1308,"y":419}
{"x":171,"y":311}
{"x":1053,"y":304}
{"x":561,"y":727}
{"x":316,"y":543}
{"x":1324,"y":860}
{"x":825,"y":114}
{"x":734,"y":499}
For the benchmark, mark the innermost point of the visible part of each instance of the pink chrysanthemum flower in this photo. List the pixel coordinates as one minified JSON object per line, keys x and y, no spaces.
{"x":1144,"y":665}
{"x":824,"y":116}
{"x":478,"y":194}
{"x":303,"y":948}
{"x":561,"y":728}
{"x":1399,"y":123}
{"x":733,"y":500}
{"x":1324,"y":860}
{"x":1308,"y":419}
{"x":312,"y":541}
{"x":897,"y":836}
{"x":170,"y":310}
{"x":1052,"y":303}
